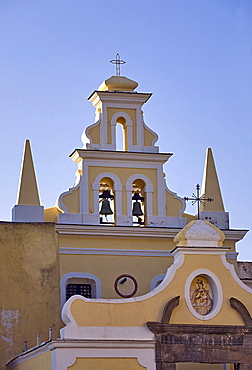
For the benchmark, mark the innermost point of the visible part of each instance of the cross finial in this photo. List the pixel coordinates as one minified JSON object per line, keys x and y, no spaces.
{"x":117,"y":61}
{"x":199,"y":199}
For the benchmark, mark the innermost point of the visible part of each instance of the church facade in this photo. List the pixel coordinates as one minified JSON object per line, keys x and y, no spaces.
{"x":117,"y":275}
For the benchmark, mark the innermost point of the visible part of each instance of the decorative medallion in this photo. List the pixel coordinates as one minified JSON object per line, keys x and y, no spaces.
{"x":125,"y":286}
{"x":201,"y":295}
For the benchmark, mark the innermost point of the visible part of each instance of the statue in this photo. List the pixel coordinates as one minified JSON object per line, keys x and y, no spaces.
{"x":201,"y":299}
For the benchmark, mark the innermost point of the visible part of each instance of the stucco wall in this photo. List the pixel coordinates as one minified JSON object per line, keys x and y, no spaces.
{"x":29,"y":275}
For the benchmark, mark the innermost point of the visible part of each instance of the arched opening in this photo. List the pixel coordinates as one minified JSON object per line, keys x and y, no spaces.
{"x":106,"y":201}
{"x":138,"y":203}
{"x":85,"y":284}
{"x":121,"y":134}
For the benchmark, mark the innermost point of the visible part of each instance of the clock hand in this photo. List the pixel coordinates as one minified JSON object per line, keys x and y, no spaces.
{"x":123,"y":281}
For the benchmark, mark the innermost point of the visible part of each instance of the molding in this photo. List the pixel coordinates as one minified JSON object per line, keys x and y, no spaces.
{"x":232,"y":255}
{"x":28,"y":355}
{"x":217,"y":293}
{"x":176,"y":196}
{"x":86,"y":138}
{"x":117,"y":231}
{"x":242,"y":310}
{"x":117,"y":183}
{"x":123,"y":163}
{"x":105,"y":333}
{"x":132,"y":252}
{"x":116,"y":252}
{"x":65,"y":352}
{"x":148,"y":187}
{"x":78,"y":275}
{"x":133,"y":231}
{"x":168,"y":309}
{"x":59,"y":202}
{"x":200,"y":250}
{"x":78,"y":154}
{"x":155,"y":280}
{"x":132,"y":97}
{"x":231,"y":268}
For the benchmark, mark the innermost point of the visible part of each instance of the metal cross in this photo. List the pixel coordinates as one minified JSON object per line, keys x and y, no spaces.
{"x":117,"y":61}
{"x":199,"y":199}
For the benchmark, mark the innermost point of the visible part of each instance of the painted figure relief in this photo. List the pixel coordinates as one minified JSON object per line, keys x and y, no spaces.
{"x":201,"y":295}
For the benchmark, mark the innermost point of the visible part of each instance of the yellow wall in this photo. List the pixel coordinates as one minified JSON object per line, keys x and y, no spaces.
{"x":108,"y":268}
{"x":72,"y":201}
{"x":29,"y":274}
{"x":41,"y":362}
{"x":139,"y":312}
{"x":173,"y":205}
{"x":94,"y":133}
{"x":106,"y":364}
{"x":111,"y":242}
{"x":51,"y":214}
{"x":148,"y":137}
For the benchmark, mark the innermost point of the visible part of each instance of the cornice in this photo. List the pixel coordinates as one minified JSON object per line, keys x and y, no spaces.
{"x":118,"y":96}
{"x":117,"y":231}
{"x":117,"y":156}
{"x":133,"y":232}
{"x":116,"y":252}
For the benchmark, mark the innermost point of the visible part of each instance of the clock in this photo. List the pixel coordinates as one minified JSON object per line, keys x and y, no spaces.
{"x":125,"y":286}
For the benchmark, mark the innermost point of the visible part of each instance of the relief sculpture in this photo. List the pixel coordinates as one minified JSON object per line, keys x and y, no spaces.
{"x":201,"y":297}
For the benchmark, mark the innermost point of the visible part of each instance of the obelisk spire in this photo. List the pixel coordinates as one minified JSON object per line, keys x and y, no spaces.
{"x":28,"y":189}
{"x":210,"y":186}
{"x":28,"y":208}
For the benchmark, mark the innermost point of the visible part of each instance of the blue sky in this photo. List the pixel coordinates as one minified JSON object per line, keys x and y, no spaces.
{"x":195,"y":56}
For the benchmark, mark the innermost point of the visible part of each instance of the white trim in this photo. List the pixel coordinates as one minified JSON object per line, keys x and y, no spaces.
{"x":119,"y":156}
{"x":221,"y":251}
{"x":59,"y":202}
{"x":175,"y":195}
{"x":155,"y":280}
{"x":28,"y":355}
{"x":232,"y":255}
{"x":106,"y":333}
{"x":117,"y":183}
{"x":143,"y":352}
{"x":148,"y":187}
{"x":231,"y":268}
{"x":128,"y":124}
{"x":122,"y":97}
{"x":79,"y":275}
{"x":126,"y":231}
{"x":86,"y":138}
{"x":69,"y":320}
{"x":152,"y":132}
{"x":65,"y":352}
{"x":116,"y":252}
{"x":217,"y":293}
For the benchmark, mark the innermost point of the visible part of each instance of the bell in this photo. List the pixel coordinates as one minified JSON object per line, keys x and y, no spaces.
{"x":137,"y":210}
{"x":105,"y":208}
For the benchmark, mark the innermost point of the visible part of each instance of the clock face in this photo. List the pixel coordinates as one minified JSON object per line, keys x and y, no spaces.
{"x":125,"y":286}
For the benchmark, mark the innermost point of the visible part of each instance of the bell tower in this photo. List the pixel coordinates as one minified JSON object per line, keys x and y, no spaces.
{"x":124,"y":188}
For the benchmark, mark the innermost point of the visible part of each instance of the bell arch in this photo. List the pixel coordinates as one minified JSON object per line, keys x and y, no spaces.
{"x":123,"y":119}
{"x":147,"y":190}
{"x":117,"y":190}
